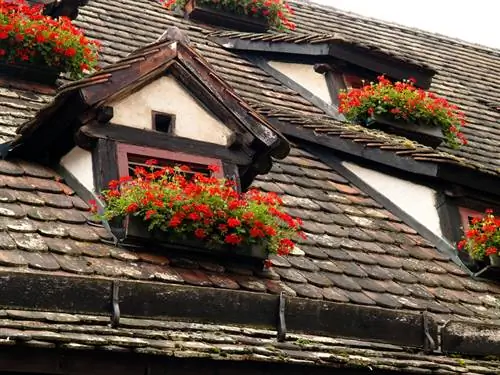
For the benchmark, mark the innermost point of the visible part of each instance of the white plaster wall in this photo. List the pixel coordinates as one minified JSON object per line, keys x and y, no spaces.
{"x":305,"y":76}
{"x":168,"y":96}
{"x":79,"y":163}
{"x":418,"y":201}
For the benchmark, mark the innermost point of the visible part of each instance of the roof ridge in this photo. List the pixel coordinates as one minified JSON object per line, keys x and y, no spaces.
{"x":401,"y":27}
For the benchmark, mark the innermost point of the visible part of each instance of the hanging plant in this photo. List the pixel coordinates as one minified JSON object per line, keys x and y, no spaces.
{"x":277,"y":12}
{"x":29,"y":37}
{"x":482,"y":239}
{"x":201,"y":207}
{"x":403,"y":101}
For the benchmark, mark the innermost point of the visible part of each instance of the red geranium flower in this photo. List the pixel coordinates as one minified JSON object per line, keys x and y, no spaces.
{"x":203,"y":207}
{"x":482,"y":239}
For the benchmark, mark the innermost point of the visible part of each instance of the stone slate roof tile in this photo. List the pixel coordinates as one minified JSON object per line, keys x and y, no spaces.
{"x":48,"y":232}
{"x":465,"y":72}
{"x":70,"y":332}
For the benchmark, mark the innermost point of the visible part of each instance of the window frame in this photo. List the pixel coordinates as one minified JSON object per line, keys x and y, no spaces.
{"x":171,"y":129}
{"x":124,"y":150}
{"x":465,"y":214}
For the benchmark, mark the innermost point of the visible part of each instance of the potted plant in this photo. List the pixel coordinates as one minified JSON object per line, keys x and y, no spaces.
{"x":244,"y":15}
{"x":37,"y":47}
{"x":405,"y":110}
{"x":482,"y":239}
{"x":192,"y":211}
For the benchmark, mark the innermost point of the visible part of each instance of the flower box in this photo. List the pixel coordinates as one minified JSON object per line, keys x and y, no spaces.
{"x":187,"y":210}
{"x":37,"y":48}
{"x":482,"y":241}
{"x":212,"y":15}
{"x":495,"y":260}
{"x":403,"y":109}
{"x":136,"y":230}
{"x":425,"y":134}
{"x":255,"y":16}
{"x":30,"y":72}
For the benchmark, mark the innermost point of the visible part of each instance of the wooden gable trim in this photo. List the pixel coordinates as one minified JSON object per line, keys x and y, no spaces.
{"x":256,"y":124}
{"x":130,"y":77}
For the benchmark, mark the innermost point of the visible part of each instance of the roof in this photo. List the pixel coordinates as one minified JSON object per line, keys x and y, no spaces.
{"x":79,"y":332}
{"x":464,"y":71}
{"x":357,"y":253}
{"x":132,"y":73}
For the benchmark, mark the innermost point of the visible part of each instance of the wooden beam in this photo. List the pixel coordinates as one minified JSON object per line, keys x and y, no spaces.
{"x":88,"y":134}
{"x":146,"y":299}
{"x":382,"y":64}
{"x":123,"y":79}
{"x":471,"y":338}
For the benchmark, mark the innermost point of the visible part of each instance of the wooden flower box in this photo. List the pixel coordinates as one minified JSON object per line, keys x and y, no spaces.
{"x":219,"y":17}
{"x":136,"y":230}
{"x":30,"y":72}
{"x":424,"y":134}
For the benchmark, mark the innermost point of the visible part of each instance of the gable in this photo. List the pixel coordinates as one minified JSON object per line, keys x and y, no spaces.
{"x":305,"y":76}
{"x":166,"y":95}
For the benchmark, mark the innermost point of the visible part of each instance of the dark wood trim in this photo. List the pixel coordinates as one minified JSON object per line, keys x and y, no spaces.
{"x":335,"y":83}
{"x":88,"y":134}
{"x":290,"y":83}
{"x":126,"y":78}
{"x":382,"y":63}
{"x":231,"y":172}
{"x":105,"y":163}
{"x":92,"y":295}
{"x":465,"y":176}
{"x":449,"y":217}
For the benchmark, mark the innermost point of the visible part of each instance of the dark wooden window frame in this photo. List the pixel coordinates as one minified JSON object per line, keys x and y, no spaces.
{"x":466,"y":214}
{"x":124,"y":151}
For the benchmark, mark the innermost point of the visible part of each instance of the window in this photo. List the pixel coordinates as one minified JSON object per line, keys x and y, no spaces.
{"x":353,"y":81}
{"x":130,"y":156}
{"x":466,"y":215}
{"x":163,"y":122}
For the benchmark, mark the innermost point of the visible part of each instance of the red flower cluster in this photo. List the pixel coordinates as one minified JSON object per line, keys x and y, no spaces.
{"x":483,"y":237}
{"x":402,"y":100}
{"x":277,"y":12}
{"x":26,"y":35}
{"x":201,"y":206}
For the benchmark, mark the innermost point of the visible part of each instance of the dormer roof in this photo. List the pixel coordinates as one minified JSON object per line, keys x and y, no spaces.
{"x":84,"y":101}
{"x":343,"y":49}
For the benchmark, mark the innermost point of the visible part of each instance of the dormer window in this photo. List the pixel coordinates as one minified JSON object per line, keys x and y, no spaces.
{"x":182,"y":114}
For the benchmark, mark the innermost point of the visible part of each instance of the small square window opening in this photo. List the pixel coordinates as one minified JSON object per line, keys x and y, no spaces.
{"x":163,"y":122}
